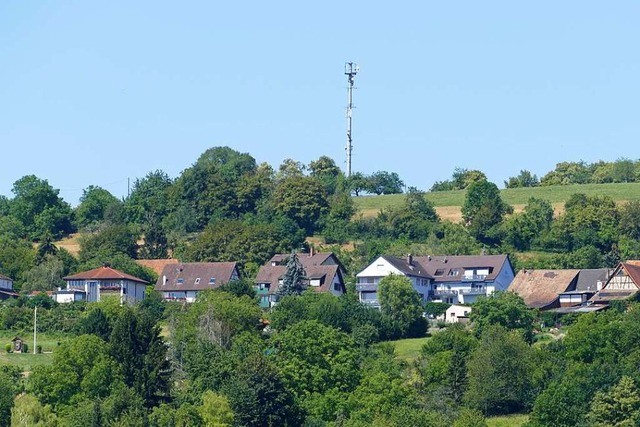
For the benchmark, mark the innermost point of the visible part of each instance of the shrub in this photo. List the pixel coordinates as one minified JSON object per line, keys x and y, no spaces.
{"x":7,"y":347}
{"x":25,"y":348}
{"x":39,"y":349}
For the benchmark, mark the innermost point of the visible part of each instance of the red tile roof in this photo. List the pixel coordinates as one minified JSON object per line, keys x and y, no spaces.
{"x":103,"y":273}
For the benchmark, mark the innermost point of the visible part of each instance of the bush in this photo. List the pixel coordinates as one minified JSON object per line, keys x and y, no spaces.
{"x":39,"y":349}
{"x":25,"y":348}
{"x":7,"y":347}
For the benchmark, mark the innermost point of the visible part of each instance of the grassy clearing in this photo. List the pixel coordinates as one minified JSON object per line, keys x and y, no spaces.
{"x":70,"y":243}
{"x":557,"y":195}
{"x":25,"y":361}
{"x":408,"y":349}
{"x":508,"y":421}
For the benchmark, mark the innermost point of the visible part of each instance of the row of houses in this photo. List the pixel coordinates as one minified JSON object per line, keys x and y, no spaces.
{"x":456,"y":280}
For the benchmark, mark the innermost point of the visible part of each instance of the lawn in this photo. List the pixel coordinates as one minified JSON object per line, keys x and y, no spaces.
{"x":507,"y":421}
{"x":558,"y":194}
{"x":25,"y":361}
{"x":408,"y":349}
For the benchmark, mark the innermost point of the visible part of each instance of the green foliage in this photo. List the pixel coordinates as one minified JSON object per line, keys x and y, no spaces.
{"x":314,"y":358}
{"x":8,"y":390}
{"x":460,"y":180}
{"x":506,"y":309}
{"x":94,"y":203}
{"x":112,"y":240}
{"x":617,"y":407}
{"x":524,"y":179}
{"x":383,"y":182}
{"x":470,"y":418}
{"x":215,"y":410}
{"x":483,"y":211}
{"x":303,"y":200}
{"x":46,"y":276}
{"x":39,"y":208}
{"x":527,"y":229}
{"x":500,"y":372}
{"x":402,"y":305}
{"x":29,"y":412}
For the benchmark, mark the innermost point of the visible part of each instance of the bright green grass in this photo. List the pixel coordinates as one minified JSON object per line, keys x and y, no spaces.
{"x":26,"y":362}
{"x":507,"y":421}
{"x":408,"y":349}
{"x":513,"y":196}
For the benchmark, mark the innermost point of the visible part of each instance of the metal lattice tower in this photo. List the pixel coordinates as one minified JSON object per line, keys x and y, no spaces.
{"x":350,"y":70}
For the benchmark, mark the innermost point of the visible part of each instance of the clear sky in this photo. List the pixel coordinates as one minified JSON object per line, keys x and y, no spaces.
{"x":95,"y":92}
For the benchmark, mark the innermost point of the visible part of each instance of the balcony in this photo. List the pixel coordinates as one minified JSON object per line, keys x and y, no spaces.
{"x":474,"y":277}
{"x":360,"y":287}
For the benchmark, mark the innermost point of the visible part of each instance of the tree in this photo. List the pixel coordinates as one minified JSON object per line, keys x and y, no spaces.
{"x":290,"y":168}
{"x":294,"y":281}
{"x":506,"y":309}
{"x":315,"y":358}
{"x":93,"y":205}
{"x":618,"y":407}
{"x":46,"y":276}
{"x":483,"y":210}
{"x":257,"y":396}
{"x":383,"y":182}
{"x":500,"y":372}
{"x":215,"y":410}
{"x":402,"y":305}
{"x":302,"y":199}
{"x":8,"y":390}
{"x":325,"y":170}
{"x":29,"y":412}
{"x":357,"y":183}
{"x":37,"y":205}
{"x":524,"y":179}
{"x":525,"y":229}
{"x":630,"y":219}
{"x":112,"y":240}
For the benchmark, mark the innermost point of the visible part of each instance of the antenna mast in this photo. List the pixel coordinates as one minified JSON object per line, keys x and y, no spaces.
{"x":350,"y":70}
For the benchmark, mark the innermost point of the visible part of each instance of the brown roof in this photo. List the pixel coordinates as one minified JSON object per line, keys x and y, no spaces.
{"x":306,"y":259}
{"x":326,"y":273}
{"x":156,"y":265}
{"x":632,"y":269}
{"x":440,"y":267}
{"x":103,"y":273}
{"x":195,"y":276}
{"x":541,"y":288}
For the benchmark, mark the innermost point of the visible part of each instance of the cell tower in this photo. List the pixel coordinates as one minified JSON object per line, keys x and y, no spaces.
{"x":350,"y":70}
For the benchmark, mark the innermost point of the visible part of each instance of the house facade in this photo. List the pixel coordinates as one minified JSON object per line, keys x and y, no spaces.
{"x":105,"y":282}
{"x":324,"y":274}
{"x":623,"y":284}
{"x":183,"y":281}
{"x":6,"y":288}
{"x":449,"y":279}
{"x":456,"y":314}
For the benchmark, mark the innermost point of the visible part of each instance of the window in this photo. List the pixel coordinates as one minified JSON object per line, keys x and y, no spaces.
{"x":439,"y":272}
{"x":197,"y":280}
{"x":380,"y":267}
{"x":180,"y":281}
{"x":212,"y":281}
{"x":454,"y":272}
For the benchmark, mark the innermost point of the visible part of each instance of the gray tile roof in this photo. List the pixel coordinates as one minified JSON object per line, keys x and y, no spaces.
{"x":195,"y":276}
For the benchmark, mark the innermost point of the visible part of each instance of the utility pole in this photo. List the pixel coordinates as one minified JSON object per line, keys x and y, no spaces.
{"x":350,"y":70}
{"x":35,"y":327}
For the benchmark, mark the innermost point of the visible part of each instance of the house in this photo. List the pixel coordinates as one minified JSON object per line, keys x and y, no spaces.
{"x":449,"y":279}
{"x":324,"y":272}
{"x":6,"y":288}
{"x":623,"y":284}
{"x":103,"y":282}
{"x":456,"y":314}
{"x":183,"y":281}
{"x":553,"y":289}
{"x":64,"y":296}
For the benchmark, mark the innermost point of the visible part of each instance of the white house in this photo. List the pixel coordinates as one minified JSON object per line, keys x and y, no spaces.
{"x":104,"y":282}
{"x":456,"y":314}
{"x":449,"y":279}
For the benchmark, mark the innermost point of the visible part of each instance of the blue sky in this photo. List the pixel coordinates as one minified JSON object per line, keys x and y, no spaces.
{"x":94,"y":93}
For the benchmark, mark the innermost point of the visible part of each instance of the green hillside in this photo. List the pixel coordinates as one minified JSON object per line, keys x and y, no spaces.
{"x":514,"y":196}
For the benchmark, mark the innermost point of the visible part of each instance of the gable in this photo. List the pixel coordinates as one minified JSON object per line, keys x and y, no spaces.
{"x":380,"y":267}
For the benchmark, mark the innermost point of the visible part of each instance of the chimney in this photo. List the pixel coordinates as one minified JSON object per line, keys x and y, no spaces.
{"x":429,"y":257}
{"x":410,"y":259}
{"x":444,"y":260}
{"x":311,"y":250}
{"x":599,"y":285}
{"x":164,"y":280}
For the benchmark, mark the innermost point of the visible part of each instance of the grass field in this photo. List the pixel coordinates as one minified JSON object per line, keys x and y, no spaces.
{"x":26,"y":362}
{"x":507,"y":421}
{"x":408,"y":349}
{"x":448,"y":203}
